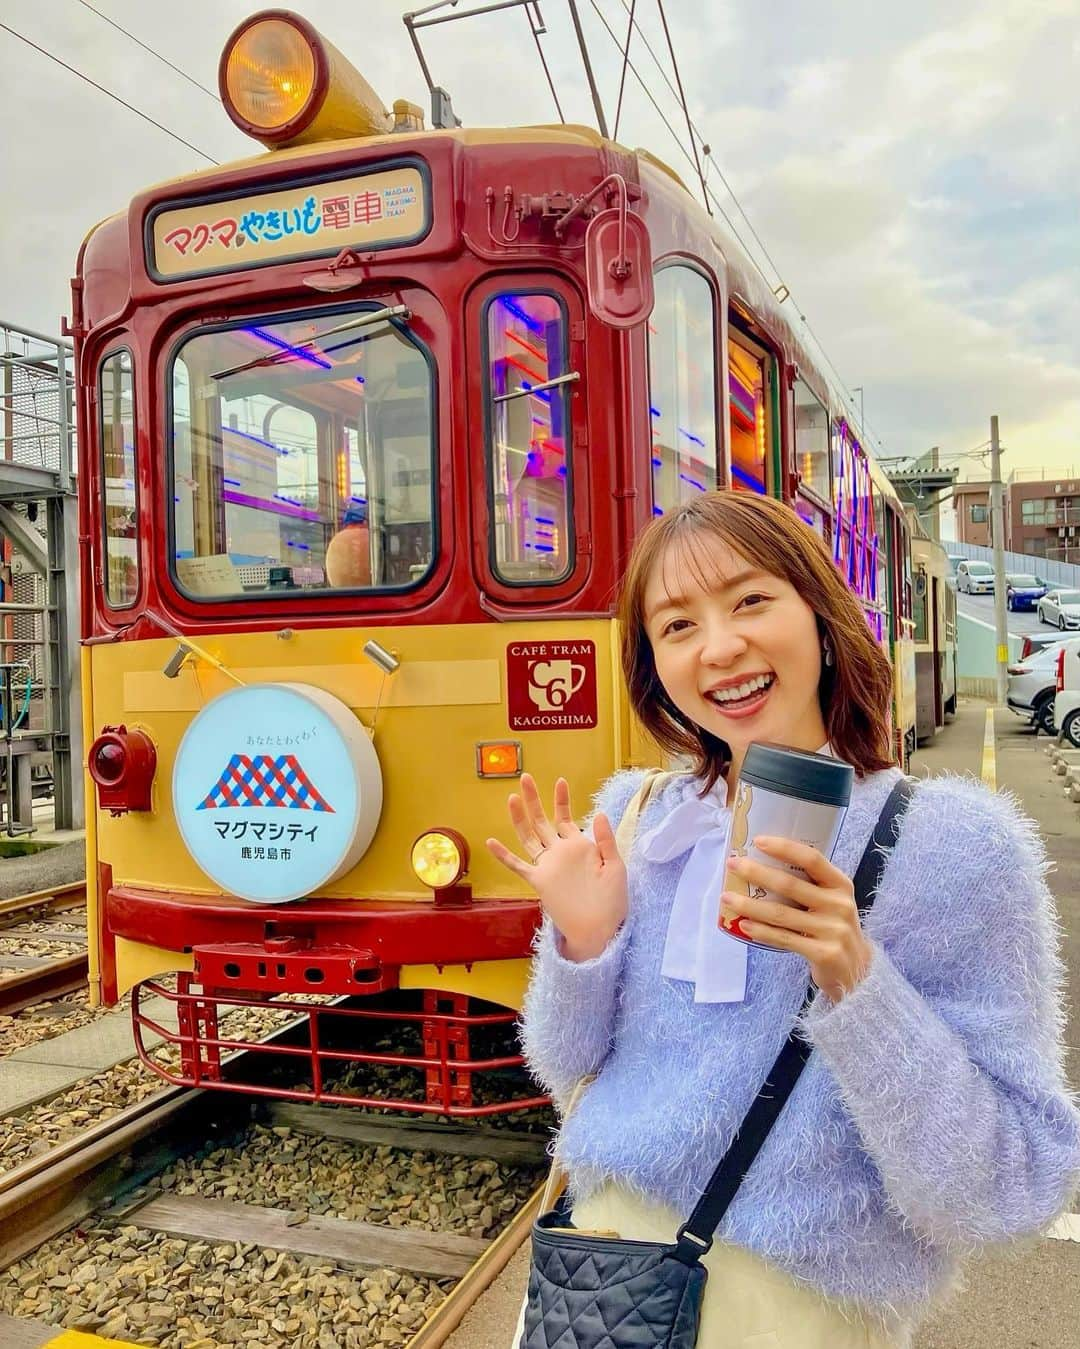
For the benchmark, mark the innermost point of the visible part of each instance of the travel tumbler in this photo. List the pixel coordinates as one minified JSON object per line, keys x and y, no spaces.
{"x":785,"y":793}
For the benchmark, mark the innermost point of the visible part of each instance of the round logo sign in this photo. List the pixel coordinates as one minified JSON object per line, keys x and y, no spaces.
{"x":277,"y":790}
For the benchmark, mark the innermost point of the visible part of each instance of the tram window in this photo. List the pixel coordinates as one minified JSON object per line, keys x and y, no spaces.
{"x":682,"y":387}
{"x":529,"y":440}
{"x":116,"y":400}
{"x":303,"y":457}
{"x":811,"y":440}
{"x":747,"y":395}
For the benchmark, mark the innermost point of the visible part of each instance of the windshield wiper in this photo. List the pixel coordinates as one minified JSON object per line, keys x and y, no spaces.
{"x":365,"y":320}
{"x":523,"y":392}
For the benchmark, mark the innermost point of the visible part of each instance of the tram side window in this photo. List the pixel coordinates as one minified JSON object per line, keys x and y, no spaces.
{"x":529,"y":440}
{"x":682,"y":387}
{"x":811,"y":440}
{"x":303,"y":457}
{"x":747,"y":394}
{"x":119,"y":492}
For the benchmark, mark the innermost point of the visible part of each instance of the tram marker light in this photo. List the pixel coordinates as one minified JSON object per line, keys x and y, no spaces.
{"x":498,"y":759}
{"x":122,"y":764}
{"x":440,"y":857}
{"x":282,"y":83}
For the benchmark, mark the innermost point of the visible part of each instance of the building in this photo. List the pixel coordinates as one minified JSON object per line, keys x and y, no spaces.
{"x":1042,"y":514}
{"x":972,"y":504}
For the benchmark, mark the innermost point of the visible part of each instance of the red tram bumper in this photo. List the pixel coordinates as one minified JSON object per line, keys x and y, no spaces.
{"x":249,"y":956}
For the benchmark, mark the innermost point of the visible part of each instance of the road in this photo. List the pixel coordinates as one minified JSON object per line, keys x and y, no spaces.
{"x":1028,"y":1298}
{"x":982,"y":608}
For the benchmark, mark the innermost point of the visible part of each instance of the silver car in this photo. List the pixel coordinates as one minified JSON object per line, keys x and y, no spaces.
{"x":975,"y":578}
{"x":1061,"y":608}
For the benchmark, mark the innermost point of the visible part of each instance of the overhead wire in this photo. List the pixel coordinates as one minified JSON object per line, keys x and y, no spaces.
{"x":670,"y":129}
{"x":108,"y":93}
{"x":709,"y":156}
{"x":775,"y":286}
{"x":622,"y":74}
{"x":682,"y":100}
{"x":165,"y":61}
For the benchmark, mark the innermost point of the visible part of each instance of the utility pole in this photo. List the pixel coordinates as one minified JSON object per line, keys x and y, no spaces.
{"x":997,"y":535}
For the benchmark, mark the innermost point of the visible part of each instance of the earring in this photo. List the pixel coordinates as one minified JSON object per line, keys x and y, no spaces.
{"x":827,"y":652}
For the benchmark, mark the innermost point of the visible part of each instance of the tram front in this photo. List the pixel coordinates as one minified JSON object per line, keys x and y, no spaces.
{"x":330,"y":481}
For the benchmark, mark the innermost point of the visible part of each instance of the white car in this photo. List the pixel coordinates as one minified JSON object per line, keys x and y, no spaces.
{"x":1033,"y":684}
{"x":975,"y":578}
{"x":1067,"y":700}
{"x":1061,"y":608}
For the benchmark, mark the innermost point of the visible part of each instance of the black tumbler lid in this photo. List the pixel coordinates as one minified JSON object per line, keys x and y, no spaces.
{"x":797,"y":772}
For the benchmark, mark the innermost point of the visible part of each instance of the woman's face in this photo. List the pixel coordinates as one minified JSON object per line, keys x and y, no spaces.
{"x":736,"y":648}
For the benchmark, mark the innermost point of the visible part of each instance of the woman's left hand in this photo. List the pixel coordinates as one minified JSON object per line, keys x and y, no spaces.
{"x":824,"y":927}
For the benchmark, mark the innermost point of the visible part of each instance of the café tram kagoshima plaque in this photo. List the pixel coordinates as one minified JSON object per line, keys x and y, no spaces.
{"x":277,"y":791}
{"x":370,"y":210}
{"x":551,"y":686}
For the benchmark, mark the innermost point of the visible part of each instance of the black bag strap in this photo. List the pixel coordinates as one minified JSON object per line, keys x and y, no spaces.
{"x":696,"y":1234}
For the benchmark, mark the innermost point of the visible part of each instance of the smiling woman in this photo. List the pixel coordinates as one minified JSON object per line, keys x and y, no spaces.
{"x":924,"y":1002}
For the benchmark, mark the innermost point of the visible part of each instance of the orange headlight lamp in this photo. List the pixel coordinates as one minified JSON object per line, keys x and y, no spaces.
{"x":284,"y":84}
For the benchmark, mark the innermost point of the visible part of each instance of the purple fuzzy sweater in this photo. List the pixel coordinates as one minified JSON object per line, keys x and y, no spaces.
{"x":934,"y":1114}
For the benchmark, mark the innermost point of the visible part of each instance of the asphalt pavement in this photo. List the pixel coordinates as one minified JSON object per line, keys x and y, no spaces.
{"x":1019,"y":624}
{"x":1026,"y":1296}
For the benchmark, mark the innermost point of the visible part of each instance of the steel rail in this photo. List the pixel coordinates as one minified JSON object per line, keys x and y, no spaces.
{"x":65,"y":974}
{"x":68,"y":896}
{"x":55,"y":978}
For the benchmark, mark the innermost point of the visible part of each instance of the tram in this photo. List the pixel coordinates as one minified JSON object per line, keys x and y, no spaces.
{"x":934,"y":635}
{"x":368,"y":424}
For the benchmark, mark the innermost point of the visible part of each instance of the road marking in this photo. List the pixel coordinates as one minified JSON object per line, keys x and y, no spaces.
{"x":989,"y":759}
{"x":1067,"y":1228}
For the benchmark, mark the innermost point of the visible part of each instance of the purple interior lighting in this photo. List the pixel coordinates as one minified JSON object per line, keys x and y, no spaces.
{"x":273,"y":507}
{"x":282,"y":345}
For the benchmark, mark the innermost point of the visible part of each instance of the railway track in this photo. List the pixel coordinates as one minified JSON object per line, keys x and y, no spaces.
{"x":175,"y":1176}
{"x":44,"y":919}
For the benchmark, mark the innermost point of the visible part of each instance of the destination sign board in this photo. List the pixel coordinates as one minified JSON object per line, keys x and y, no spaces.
{"x":371,"y":210}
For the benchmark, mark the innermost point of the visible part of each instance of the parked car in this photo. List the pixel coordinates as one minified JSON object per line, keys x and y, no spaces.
{"x":1061,"y":608}
{"x":1067,"y":697}
{"x":1037,"y":641}
{"x":1032,"y":687}
{"x":954,"y":560}
{"x":1023,"y":591}
{"x":975,"y":578}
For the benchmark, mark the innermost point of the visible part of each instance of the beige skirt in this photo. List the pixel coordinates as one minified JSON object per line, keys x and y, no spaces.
{"x":749,"y":1304}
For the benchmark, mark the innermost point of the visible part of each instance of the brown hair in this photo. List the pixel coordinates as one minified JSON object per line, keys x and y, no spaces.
{"x":855,"y":692}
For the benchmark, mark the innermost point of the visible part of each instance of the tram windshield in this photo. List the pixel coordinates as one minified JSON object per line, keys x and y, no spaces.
{"x":302,"y":456}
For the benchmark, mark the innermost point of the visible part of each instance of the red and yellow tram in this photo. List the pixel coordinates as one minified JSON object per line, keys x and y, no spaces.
{"x":368,"y":424}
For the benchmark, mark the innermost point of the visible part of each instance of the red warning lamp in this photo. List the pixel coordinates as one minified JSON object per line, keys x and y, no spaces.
{"x":122,"y":764}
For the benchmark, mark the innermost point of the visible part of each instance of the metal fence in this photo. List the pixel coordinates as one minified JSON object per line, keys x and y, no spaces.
{"x":38,"y":583}
{"x":1056,"y":574}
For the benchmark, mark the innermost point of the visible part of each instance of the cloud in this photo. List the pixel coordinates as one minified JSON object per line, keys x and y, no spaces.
{"x":915,"y":175}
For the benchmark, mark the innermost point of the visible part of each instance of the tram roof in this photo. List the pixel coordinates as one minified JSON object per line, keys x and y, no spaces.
{"x":747,"y":287}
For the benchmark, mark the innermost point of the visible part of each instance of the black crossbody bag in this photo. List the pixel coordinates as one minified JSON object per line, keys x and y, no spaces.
{"x":596,"y":1292}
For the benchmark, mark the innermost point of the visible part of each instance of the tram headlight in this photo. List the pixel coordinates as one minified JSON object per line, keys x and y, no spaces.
{"x":440,"y":857}
{"x":284,"y":84}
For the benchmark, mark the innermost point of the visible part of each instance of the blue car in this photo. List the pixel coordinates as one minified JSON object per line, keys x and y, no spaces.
{"x":1023,"y":592}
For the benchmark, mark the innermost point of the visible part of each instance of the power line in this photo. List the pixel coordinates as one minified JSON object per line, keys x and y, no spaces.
{"x":774,"y":286}
{"x":671,"y":130}
{"x":112,"y":22}
{"x":107,"y":92}
{"x":707,"y":151}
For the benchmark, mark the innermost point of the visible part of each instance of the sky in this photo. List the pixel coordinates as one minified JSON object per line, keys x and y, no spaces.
{"x":913,"y":171}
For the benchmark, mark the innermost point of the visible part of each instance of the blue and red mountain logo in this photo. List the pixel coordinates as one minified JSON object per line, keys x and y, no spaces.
{"x":265,"y":781}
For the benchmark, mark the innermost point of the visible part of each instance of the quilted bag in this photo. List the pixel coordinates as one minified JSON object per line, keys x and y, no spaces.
{"x":590,"y":1291}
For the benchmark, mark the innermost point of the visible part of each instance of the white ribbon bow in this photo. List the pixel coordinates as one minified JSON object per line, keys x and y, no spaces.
{"x":697,"y":949}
